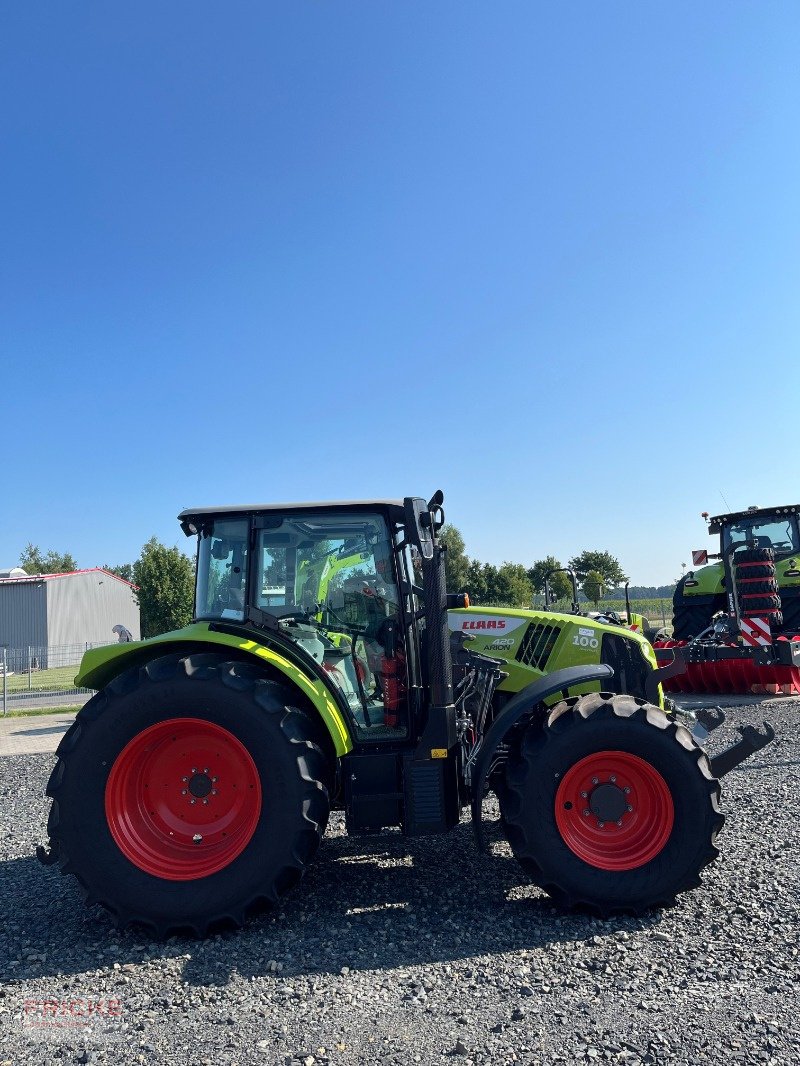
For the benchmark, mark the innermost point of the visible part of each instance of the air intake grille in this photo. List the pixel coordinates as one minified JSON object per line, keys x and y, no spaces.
{"x":537,"y":645}
{"x":631,"y":669}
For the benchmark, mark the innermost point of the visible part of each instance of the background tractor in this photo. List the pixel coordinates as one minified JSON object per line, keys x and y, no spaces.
{"x":630,"y":619}
{"x":738,"y":618}
{"x":328,"y":668}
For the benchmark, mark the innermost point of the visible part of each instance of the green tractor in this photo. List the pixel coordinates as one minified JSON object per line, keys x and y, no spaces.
{"x":327,"y":668}
{"x":771,"y":536}
{"x":737,"y":620}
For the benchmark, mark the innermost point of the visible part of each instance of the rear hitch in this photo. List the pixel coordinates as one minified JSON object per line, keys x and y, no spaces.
{"x":751,"y":741}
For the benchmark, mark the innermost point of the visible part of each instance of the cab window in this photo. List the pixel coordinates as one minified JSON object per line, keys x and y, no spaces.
{"x":222,"y":570}
{"x":330,"y":582}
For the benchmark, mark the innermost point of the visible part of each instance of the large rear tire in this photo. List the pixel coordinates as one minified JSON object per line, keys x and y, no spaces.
{"x":189,"y":792}
{"x":611,"y":805}
{"x":690,"y":619}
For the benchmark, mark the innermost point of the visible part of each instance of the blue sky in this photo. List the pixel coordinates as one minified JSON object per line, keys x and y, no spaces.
{"x":542,"y":256}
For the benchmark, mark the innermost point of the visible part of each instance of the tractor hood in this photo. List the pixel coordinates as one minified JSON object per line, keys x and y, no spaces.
{"x":705,"y":581}
{"x":536,"y":642}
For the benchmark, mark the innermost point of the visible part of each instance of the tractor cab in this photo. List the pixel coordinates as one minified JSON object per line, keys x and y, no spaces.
{"x":326,"y":579}
{"x":773,"y":529}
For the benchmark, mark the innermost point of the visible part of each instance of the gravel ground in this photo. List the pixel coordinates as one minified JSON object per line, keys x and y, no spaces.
{"x":424,"y":952}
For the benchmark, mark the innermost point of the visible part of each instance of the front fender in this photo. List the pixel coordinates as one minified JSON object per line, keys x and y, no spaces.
{"x":517,"y":707}
{"x":99,"y":666}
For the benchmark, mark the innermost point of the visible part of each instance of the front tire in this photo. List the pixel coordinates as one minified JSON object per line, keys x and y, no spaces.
{"x":189,"y":792}
{"x":611,"y":805}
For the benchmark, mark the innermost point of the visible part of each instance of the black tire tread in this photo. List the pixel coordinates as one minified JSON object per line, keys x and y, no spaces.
{"x":757,"y":587}
{"x":752,"y":602}
{"x":762,"y":570}
{"x":302,"y":731}
{"x":754,"y":555}
{"x":689,"y":619}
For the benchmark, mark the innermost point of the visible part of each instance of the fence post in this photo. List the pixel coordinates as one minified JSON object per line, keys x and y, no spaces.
{"x":5,"y":680}
{"x":29,"y":668}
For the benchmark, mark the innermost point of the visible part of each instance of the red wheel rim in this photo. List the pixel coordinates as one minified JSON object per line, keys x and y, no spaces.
{"x":183,"y":799}
{"x":614,"y":810}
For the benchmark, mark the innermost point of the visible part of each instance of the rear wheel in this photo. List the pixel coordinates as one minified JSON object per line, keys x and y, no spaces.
{"x":690,"y":619}
{"x":188,"y":792}
{"x":611,"y":805}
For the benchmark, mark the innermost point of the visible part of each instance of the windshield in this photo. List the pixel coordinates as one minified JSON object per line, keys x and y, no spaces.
{"x":764,"y":531}
{"x":327,"y":567}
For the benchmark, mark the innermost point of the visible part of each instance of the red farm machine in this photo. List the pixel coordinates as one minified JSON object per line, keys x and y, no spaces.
{"x":736,"y":620}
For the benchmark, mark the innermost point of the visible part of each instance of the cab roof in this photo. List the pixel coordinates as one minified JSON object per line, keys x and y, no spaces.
{"x":394,"y":507}
{"x":716,"y":523}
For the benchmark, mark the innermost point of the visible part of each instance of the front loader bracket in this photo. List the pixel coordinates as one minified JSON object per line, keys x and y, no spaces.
{"x":751,"y":741}
{"x":710,"y":718}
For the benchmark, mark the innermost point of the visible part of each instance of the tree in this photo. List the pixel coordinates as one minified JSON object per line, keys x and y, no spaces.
{"x":560,"y":584}
{"x":491,"y":584}
{"x":33,"y":562}
{"x":476,"y":587}
{"x":456,"y":564}
{"x":593,"y":587}
{"x":124,"y":570}
{"x":165,"y":577}
{"x":513,"y":587}
{"x":602,"y":563}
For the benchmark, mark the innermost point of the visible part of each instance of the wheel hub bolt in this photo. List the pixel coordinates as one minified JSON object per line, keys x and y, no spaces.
{"x":184,"y":779}
{"x":194,"y":769}
{"x":205,"y":769}
{"x":587,"y":813}
{"x":613,"y":779}
{"x":183,"y":791}
{"x":584,"y":795}
{"x":601,"y":825}
{"x":595,"y":781}
{"x":205,"y":803}
{"x":214,"y":780}
{"x":619,"y":823}
{"x":213,"y":792}
{"x":193,"y":801}
{"x":629,"y":807}
{"x":627,"y":790}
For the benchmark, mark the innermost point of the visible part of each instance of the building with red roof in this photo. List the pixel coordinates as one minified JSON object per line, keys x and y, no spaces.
{"x":74,"y":609}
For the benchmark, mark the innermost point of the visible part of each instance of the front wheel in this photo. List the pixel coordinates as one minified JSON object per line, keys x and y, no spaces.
{"x":611,"y":805}
{"x":188,"y":792}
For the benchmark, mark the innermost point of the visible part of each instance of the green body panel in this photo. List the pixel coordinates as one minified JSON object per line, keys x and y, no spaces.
{"x":781,"y":568}
{"x":709,"y":578}
{"x":499,"y":632}
{"x":709,"y":581}
{"x":101,"y":665}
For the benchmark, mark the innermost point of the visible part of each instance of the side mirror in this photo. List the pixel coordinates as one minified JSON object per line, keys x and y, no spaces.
{"x":419,"y":527}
